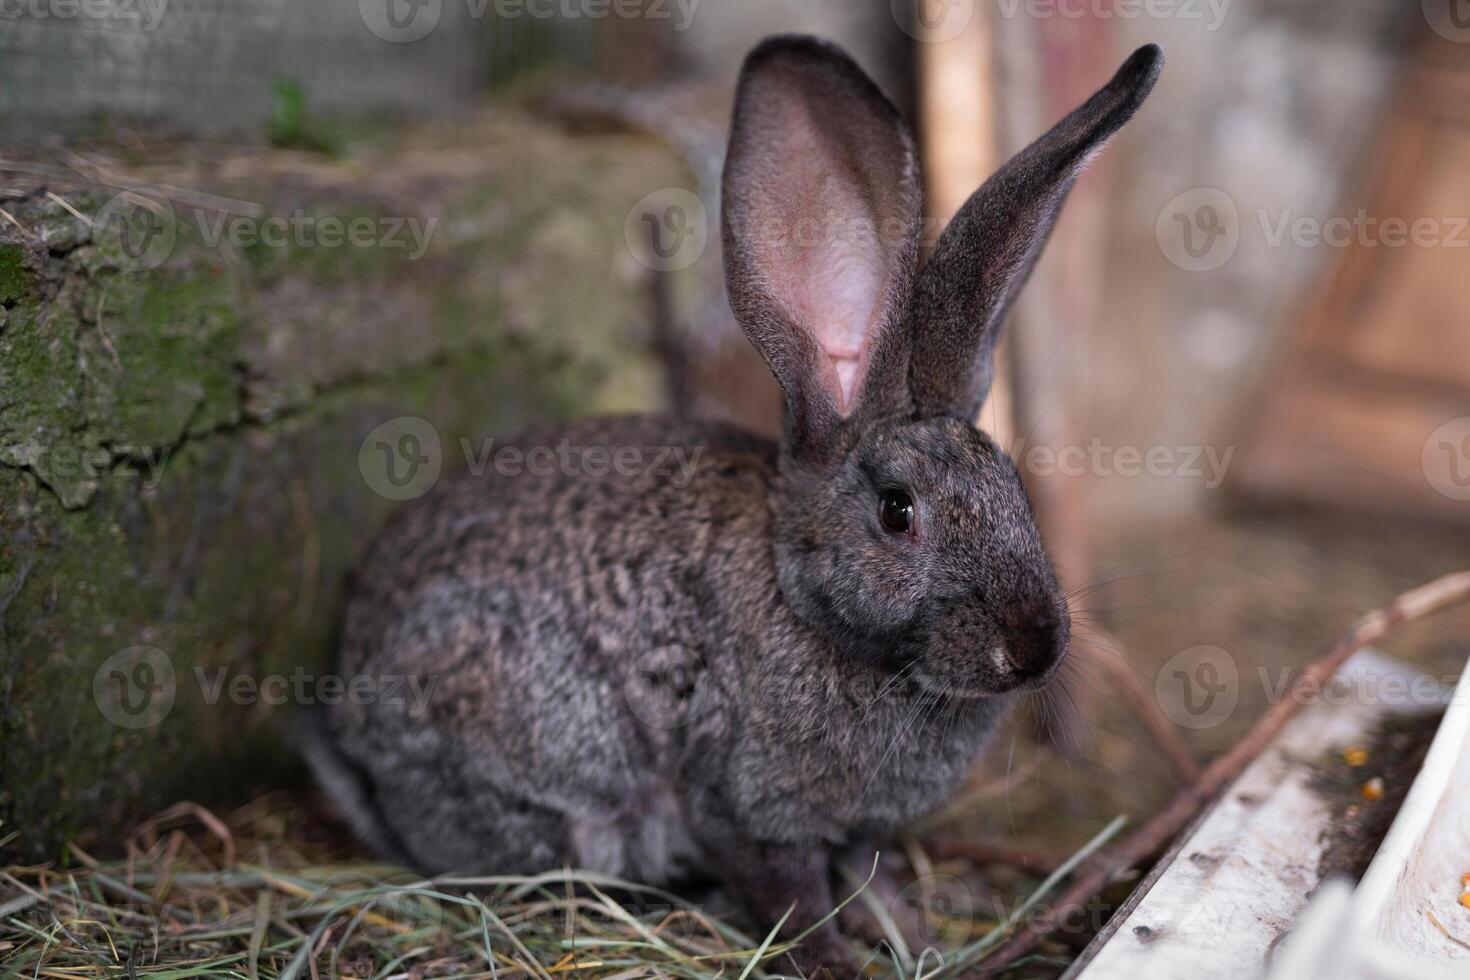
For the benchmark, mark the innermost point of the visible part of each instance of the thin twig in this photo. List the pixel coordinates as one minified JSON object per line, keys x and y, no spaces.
{"x":74,"y":212}
{"x":1448,"y":590}
{"x":185,"y":809}
{"x":16,"y":221}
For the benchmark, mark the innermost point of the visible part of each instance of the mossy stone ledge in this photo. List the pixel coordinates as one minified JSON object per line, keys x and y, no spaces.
{"x":181,"y":486}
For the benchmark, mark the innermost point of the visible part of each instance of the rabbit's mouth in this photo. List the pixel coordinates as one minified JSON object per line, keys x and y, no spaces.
{"x":946,"y":688}
{"x":978,"y":685}
{"x":996,"y":663}
{"x":974,"y":685}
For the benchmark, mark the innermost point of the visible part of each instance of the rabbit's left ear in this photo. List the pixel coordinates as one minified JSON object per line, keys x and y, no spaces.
{"x":986,"y":253}
{"x":820,"y":211}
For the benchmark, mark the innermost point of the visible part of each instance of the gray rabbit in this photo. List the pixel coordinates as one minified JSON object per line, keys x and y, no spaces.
{"x":753,"y":665}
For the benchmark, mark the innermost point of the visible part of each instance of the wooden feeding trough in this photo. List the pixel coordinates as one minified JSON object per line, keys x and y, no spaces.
{"x":1263,"y":884}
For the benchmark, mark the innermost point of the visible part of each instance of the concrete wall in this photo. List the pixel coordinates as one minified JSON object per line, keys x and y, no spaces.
{"x":208,"y":67}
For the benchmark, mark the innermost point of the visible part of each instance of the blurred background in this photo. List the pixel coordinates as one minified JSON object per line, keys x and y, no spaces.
{"x":245,"y":245}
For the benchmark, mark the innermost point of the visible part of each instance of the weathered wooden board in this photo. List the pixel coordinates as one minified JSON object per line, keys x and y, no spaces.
{"x":1410,"y":897}
{"x":1219,"y":904}
{"x":1381,"y":357}
{"x":1405,"y":920}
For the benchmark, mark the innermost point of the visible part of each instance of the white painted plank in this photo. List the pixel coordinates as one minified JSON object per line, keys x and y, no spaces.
{"x":1416,"y":873}
{"x":1243,"y":875}
{"x":1384,"y":929}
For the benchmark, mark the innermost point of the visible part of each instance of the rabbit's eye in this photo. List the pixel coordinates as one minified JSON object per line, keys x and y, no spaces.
{"x":896,"y":511}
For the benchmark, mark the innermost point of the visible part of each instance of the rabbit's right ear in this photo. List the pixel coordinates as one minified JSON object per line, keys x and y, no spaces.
{"x":986,"y":253}
{"x":820,"y":212}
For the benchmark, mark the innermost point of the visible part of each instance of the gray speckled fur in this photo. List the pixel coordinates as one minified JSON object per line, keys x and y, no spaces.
{"x":738,"y":672}
{"x":540,"y":607}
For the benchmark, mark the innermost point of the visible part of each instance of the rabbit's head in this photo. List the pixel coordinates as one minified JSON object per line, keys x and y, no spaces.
{"x":901,"y":529}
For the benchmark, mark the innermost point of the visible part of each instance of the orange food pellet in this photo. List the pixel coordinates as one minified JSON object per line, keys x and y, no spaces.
{"x":1465,"y":899}
{"x":1356,"y":756}
{"x":1373,"y":789}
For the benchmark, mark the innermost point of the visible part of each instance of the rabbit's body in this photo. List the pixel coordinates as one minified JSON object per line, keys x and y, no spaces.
{"x":602,"y":695}
{"x":780,"y":651}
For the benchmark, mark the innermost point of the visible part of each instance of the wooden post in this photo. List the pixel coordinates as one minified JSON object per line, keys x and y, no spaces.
{"x":958,"y":126}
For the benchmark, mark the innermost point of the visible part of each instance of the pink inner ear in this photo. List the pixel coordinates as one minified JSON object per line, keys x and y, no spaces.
{"x":839,"y":307}
{"x":841,"y":272}
{"x":826,"y":262}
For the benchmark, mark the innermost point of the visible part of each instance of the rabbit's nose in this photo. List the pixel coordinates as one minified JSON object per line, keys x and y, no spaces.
{"x":1036,"y":642}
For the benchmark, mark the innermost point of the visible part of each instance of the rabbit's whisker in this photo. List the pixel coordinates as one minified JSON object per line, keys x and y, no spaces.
{"x":920,"y":704}
{"x":890,"y":684}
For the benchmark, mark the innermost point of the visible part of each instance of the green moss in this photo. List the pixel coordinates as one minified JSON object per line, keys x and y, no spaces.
{"x":112,"y":365}
{"x":41,"y":421}
{"x":15,"y":282}
{"x":179,"y":447}
{"x":232,"y":565}
{"x":162,"y":358}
